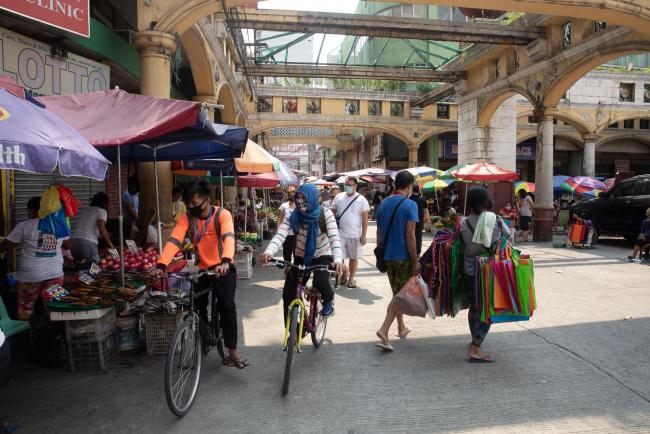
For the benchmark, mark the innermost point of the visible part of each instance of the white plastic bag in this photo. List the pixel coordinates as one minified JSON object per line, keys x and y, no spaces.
{"x":152,"y":235}
{"x":425,"y":292}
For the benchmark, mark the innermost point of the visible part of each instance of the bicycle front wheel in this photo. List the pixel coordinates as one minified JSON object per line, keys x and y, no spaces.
{"x":291,"y":349}
{"x":319,"y":324}
{"x":183,"y":366}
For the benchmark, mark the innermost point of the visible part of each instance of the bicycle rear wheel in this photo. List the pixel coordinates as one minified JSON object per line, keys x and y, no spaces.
{"x":183,"y":366}
{"x":291,"y":349}
{"x":318,"y":325}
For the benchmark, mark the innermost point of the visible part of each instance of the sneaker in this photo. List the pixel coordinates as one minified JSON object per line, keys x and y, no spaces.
{"x":328,"y":308}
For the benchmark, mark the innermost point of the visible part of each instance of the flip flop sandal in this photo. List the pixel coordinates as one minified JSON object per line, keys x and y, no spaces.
{"x":239,"y":363}
{"x":405,"y":334}
{"x":385,"y":347}
{"x":343,"y":281}
{"x":484,"y":359}
{"x":352,"y":284}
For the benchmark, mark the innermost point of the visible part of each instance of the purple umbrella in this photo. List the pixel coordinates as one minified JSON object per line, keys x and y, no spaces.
{"x":33,"y":139}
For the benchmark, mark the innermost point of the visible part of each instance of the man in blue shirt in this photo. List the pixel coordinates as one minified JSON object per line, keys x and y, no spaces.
{"x":399,"y":243}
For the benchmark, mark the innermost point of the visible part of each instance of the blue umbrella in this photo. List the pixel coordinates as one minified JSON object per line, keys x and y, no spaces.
{"x":33,"y":139}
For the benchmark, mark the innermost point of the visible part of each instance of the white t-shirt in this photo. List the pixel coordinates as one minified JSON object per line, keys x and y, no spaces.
{"x":40,"y":254}
{"x":87,"y":224}
{"x":286,"y":209}
{"x":524,"y":207}
{"x":350,"y":223}
{"x":2,"y":338}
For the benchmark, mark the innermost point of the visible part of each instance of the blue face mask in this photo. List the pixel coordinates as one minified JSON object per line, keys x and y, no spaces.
{"x":349,"y":189}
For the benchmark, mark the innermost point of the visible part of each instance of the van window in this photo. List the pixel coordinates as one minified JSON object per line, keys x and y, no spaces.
{"x":644,"y":188}
{"x":624,"y":189}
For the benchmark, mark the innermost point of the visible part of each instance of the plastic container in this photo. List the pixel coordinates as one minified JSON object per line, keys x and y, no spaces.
{"x":128,"y":337}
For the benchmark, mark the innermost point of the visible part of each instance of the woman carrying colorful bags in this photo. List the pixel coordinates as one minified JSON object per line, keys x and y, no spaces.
{"x":480,"y":230}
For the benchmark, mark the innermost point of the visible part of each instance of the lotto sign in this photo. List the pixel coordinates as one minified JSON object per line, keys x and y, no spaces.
{"x":70,"y":15}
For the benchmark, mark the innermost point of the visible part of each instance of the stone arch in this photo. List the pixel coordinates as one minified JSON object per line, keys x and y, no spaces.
{"x":194,"y":45}
{"x":581,"y":66}
{"x":638,"y":138}
{"x":427,"y":136}
{"x":240,"y":120}
{"x":490,"y":103}
{"x":254,"y":130}
{"x":184,"y":14}
{"x":621,"y":119}
{"x":578,"y":124}
{"x":225,"y":97}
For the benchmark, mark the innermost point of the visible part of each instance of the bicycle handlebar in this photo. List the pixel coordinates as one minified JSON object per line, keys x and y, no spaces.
{"x":189,"y":275}
{"x":279,"y":263}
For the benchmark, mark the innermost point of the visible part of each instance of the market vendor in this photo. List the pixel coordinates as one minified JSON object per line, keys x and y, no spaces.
{"x":40,"y":265}
{"x":131,"y":204}
{"x":178,"y":207}
{"x":90,"y":227}
{"x":213,"y":237}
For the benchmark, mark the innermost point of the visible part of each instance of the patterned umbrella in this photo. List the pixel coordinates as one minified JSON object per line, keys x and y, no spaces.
{"x":528,"y":187}
{"x":424,"y":173}
{"x":436,"y":184}
{"x":483,"y":171}
{"x":583,"y":186}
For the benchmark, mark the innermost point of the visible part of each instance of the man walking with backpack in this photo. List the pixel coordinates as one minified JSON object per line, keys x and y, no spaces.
{"x":351,"y":210}
{"x":397,"y":217}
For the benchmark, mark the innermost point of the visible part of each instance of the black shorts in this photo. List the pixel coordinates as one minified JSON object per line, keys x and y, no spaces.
{"x":524,"y":223}
{"x":640,"y":243}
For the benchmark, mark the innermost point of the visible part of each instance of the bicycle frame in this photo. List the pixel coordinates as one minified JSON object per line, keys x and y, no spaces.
{"x":306,"y":319}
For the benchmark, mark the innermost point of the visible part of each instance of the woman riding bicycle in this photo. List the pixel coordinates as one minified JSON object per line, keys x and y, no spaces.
{"x":317,"y":243}
{"x":214,"y":251}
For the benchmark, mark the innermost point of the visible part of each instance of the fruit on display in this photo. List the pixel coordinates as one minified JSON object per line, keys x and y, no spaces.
{"x":142,"y":260}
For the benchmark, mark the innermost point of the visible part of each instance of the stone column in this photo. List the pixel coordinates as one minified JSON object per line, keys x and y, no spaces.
{"x":155,"y":50}
{"x":589,"y":155}
{"x":208,"y":99}
{"x":413,"y":155}
{"x":543,"y":227}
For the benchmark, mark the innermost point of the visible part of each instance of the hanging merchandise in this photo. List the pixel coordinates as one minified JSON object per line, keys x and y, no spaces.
{"x":56,"y":223}
{"x":442,"y":267}
{"x":70,"y":202}
{"x":50,"y":201}
{"x":504,"y":285}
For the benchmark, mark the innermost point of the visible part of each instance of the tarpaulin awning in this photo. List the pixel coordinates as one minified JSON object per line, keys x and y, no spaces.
{"x":483,"y":171}
{"x":255,"y":159}
{"x":176,"y":129}
{"x":33,"y":139}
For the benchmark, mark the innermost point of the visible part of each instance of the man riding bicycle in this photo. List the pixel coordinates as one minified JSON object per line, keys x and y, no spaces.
{"x":213,"y":236}
{"x":317,"y":243}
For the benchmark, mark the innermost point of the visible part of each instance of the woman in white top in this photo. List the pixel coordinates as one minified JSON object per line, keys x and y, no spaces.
{"x":91,"y":225}
{"x":525,"y":204}
{"x":285,"y":210}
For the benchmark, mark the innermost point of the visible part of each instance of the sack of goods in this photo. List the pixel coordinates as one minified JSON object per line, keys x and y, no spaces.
{"x":581,"y":233}
{"x":504,"y":285}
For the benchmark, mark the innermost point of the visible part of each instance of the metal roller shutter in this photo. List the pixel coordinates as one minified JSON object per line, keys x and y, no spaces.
{"x":28,"y":185}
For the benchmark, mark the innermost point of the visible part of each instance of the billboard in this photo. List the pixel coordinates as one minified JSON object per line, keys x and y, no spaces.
{"x":69,"y":15}
{"x":31,"y":64}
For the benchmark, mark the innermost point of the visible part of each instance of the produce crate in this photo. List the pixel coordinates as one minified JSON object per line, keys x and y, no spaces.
{"x":92,"y":354}
{"x":244,"y":264}
{"x":91,"y":342}
{"x":159,"y":331}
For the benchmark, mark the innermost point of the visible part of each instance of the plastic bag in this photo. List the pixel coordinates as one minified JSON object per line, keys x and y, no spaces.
{"x":152,"y":235}
{"x":70,"y":202}
{"x":50,"y":202}
{"x":425,"y":292}
{"x":410,"y":300}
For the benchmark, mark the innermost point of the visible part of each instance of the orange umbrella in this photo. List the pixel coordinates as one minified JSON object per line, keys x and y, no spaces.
{"x":255,"y":159}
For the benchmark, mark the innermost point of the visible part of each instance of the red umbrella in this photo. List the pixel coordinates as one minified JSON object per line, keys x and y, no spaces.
{"x":483,"y":171}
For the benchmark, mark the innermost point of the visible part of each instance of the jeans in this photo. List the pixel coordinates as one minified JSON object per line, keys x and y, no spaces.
{"x":477,"y":328}
{"x":418,"y":238}
{"x":5,"y":359}
{"x":287,"y":247}
{"x":224,"y":289}
{"x":84,"y":250}
{"x":321,"y":282}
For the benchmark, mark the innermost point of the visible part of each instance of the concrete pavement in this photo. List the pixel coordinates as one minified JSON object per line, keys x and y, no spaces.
{"x":582,"y":364}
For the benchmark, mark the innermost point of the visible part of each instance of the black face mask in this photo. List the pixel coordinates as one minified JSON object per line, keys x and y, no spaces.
{"x":197,"y":210}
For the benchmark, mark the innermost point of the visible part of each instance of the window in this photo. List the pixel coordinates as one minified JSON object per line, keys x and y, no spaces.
{"x":614,"y":125}
{"x":624,"y":189}
{"x":646,"y":93}
{"x":628,"y":123}
{"x":626,"y":92}
{"x":644,"y":124}
{"x":289,"y":105}
{"x":265,"y":104}
{"x":396,"y":108}
{"x":374,"y":108}
{"x":407,"y":11}
{"x":644,"y":187}
{"x":443,"y":111}
{"x":313,"y":106}
{"x":351,"y":106}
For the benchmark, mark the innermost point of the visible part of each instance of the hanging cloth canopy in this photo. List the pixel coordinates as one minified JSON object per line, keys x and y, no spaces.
{"x":36,"y":140}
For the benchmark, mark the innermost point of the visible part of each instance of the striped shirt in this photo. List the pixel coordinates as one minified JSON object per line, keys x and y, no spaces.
{"x":326,"y":244}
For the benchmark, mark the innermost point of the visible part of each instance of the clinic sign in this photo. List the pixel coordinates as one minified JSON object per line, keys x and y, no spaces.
{"x":69,"y":15}
{"x":31,"y":64}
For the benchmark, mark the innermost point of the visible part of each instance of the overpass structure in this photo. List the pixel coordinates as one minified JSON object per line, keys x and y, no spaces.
{"x":538,"y":55}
